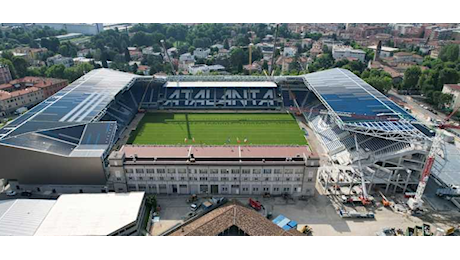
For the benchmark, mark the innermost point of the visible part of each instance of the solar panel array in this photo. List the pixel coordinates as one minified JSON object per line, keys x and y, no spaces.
{"x":56,"y":125}
{"x":345,"y":92}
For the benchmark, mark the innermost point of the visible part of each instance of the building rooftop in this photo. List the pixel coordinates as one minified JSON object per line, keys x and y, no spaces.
{"x":22,"y":217}
{"x":91,"y":214}
{"x":223,"y":84}
{"x":231,"y":214}
{"x":214,"y":151}
{"x":455,"y":87}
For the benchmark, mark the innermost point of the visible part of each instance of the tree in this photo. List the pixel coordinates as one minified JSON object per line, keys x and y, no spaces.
{"x":449,"y":53}
{"x":20,"y":64}
{"x":237,"y":59}
{"x":446,"y":76}
{"x":265,"y":66}
{"x":127,"y":55}
{"x":151,"y":201}
{"x":411,"y":78}
{"x":55,"y":71}
{"x":10,"y":66}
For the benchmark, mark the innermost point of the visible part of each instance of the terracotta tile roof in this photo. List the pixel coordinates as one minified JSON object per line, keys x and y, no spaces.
{"x":6,"y":95}
{"x":233,"y":213}
{"x":455,"y":87}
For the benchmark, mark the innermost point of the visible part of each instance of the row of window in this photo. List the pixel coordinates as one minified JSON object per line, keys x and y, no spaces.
{"x":183,"y":178}
{"x":212,"y":171}
{"x":163,"y":188}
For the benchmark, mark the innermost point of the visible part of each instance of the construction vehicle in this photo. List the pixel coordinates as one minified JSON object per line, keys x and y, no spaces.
{"x":307,"y":230}
{"x":385,"y":201}
{"x":255,"y":204}
{"x":416,"y":203}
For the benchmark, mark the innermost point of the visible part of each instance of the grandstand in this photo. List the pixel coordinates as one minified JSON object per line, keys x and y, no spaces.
{"x":363,"y":132}
{"x":68,"y":137}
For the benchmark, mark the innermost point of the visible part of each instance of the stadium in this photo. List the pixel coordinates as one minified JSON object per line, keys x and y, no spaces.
{"x":114,"y":131}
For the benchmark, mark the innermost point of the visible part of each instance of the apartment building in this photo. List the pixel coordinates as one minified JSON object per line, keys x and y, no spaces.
{"x":346,"y":52}
{"x":27,"y":92}
{"x":249,"y":170}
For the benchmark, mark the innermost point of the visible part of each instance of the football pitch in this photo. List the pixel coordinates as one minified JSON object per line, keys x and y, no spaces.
{"x":217,"y":129}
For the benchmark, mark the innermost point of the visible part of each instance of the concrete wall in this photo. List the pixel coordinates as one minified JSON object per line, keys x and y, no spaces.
{"x":30,"y":167}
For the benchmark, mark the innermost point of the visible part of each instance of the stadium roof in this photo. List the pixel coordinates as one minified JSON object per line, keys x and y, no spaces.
{"x":359,"y":107}
{"x":91,"y":214}
{"x":66,"y":123}
{"x":220,"y":84}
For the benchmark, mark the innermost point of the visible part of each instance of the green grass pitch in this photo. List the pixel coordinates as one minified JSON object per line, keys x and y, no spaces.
{"x":217,"y":129}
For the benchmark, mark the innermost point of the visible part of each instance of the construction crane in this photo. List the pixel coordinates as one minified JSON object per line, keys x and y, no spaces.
{"x":169,"y":58}
{"x":272,"y":65}
{"x":416,"y":203}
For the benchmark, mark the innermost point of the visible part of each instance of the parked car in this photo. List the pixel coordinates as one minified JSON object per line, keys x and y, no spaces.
{"x":11,"y":193}
{"x":26,"y":193}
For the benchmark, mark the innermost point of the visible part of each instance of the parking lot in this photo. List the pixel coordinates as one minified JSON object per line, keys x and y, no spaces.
{"x":319,"y":213}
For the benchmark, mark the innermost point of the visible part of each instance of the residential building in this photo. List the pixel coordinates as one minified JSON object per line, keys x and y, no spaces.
{"x":5,"y":74}
{"x":186,"y":58}
{"x":403,"y":57}
{"x":11,"y":101}
{"x":289,"y":51}
{"x":385,"y":51}
{"x":59,"y":59}
{"x":214,"y":170}
{"x":27,"y":92}
{"x":200,"y":53}
{"x":80,"y":60}
{"x":454,"y":90}
{"x":144,"y":69}
{"x":253,"y":67}
{"x":218,"y":46}
{"x":204,"y":69}
{"x":347,"y":52}
{"x":150,"y":51}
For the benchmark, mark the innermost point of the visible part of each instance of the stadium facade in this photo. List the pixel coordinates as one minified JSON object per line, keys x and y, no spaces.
{"x":64,"y":143}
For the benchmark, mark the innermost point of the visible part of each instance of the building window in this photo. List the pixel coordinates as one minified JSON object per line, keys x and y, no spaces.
{"x":151,"y":178}
{"x":203,"y":171}
{"x":266,"y":189}
{"x":139,"y":170}
{"x":129,"y":170}
{"x":172,"y":171}
{"x":246,"y":171}
{"x":246,"y":179}
{"x":255,"y":189}
{"x":288,"y":179}
{"x":172,"y":178}
{"x":276,"y":189}
{"x":310,"y":179}
{"x":286,"y":189}
{"x":140,"y":178}
{"x":182,"y":178}
{"x":235,"y":171}
{"x":130,"y":178}
{"x":235,"y":178}
{"x":160,"y":170}
{"x":224,"y":171}
{"x":297,"y":179}
{"x":224,"y":189}
{"x":256,"y":171}
{"x":245,"y":188}
{"x":288,"y":171}
{"x":181,"y":171}
{"x":277,"y":171}
{"x":150,"y":170}
{"x":267,"y":179}
{"x":162,"y":178}
{"x":277,"y":178}
{"x":203,"y":178}
{"x":214,"y":171}
{"x":267,"y":171}
{"x":224,"y":179}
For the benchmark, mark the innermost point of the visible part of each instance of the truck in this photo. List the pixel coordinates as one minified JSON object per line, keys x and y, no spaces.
{"x":355,"y":214}
{"x":453,"y":191}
